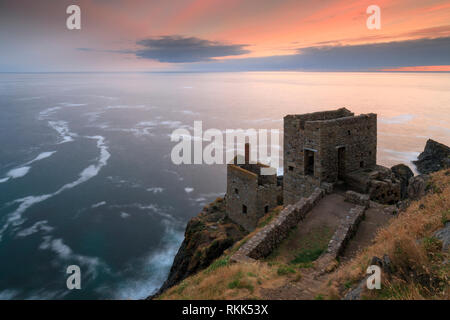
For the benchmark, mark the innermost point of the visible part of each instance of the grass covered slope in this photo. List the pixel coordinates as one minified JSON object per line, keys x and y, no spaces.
{"x":419,"y":269}
{"x":417,"y":263}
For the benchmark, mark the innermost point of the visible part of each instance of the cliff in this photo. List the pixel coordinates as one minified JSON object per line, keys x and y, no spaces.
{"x":207,"y":236}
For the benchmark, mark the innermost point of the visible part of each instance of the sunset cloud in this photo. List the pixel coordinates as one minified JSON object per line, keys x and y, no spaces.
{"x":179,"y":49}
{"x":367,"y":57}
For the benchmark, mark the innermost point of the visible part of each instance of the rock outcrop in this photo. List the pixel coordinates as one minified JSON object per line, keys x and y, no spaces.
{"x":418,"y":186}
{"x":403,"y":173}
{"x":378,"y":182}
{"x":435,"y":156}
{"x":207,"y":236}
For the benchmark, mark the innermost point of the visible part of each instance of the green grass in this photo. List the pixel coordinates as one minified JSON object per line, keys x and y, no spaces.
{"x":218,"y":263}
{"x":239,"y":283}
{"x":307,"y":255}
{"x":313,"y":245}
{"x":284,"y":270}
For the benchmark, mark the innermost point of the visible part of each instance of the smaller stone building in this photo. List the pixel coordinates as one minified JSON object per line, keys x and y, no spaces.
{"x":250,"y":195}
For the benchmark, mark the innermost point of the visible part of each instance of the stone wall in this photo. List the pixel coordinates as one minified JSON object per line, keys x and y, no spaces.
{"x":345,"y":231}
{"x":357,"y":198}
{"x":268,"y":238}
{"x":358,"y":135}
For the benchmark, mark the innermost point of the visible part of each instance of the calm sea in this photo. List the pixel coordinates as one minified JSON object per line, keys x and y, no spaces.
{"x":86,"y":176}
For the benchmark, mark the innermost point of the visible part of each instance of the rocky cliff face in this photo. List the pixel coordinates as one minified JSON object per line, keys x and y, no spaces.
{"x":207,"y":236}
{"x":435,"y":157}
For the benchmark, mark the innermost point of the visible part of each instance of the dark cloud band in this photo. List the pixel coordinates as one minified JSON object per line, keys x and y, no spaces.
{"x":178,"y":49}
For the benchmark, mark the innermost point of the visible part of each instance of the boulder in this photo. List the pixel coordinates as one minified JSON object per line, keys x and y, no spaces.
{"x":444,"y":235}
{"x":435,"y":156}
{"x":417,"y":186}
{"x":403,"y":173}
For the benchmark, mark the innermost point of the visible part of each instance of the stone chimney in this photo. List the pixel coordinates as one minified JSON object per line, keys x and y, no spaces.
{"x":247,"y":153}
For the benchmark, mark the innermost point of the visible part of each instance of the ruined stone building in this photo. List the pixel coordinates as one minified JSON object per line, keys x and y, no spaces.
{"x":323,"y":148}
{"x":250,"y":195}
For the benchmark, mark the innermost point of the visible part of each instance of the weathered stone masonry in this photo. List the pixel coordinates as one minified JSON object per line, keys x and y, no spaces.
{"x":250,"y":195}
{"x":323,"y":147}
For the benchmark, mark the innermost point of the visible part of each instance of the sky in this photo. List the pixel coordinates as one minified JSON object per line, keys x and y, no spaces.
{"x":224,"y":35}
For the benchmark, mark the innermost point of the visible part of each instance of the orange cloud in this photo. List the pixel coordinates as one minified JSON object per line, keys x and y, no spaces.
{"x":420,"y":69}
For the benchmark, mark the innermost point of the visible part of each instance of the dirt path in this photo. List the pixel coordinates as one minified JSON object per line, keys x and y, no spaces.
{"x":307,"y":282}
{"x":315,"y":230}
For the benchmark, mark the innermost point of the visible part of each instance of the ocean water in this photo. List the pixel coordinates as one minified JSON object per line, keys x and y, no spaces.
{"x":86,"y":176}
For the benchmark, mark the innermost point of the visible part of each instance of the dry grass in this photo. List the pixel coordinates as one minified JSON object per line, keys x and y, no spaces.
{"x":230,"y":281}
{"x":419,"y":271}
{"x":222,"y":280}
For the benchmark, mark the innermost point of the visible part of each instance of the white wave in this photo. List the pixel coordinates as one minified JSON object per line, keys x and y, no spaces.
{"x":149,"y":207}
{"x":15,"y":218}
{"x":188,"y":112}
{"x":93,"y":116}
{"x":18,"y":172}
{"x":38,"y":226}
{"x":99,"y":204}
{"x":141,"y":106}
{"x":180,"y":178}
{"x":405,"y":156}
{"x":42,"y":156}
{"x":403,"y":118}
{"x":138,"y":132}
{"x":8,"y":294}
{"x":62,"y":128}
{"x":147,"y":124}
{"x":188,"y":190}
{"x":106,"y":97}
{"x":25,"y":168}
{"x":30,"y":98}
{"x":124,"y":215}
{"x":68,"y":104}
{"x":212,"y":195}
{"x":64,"y":252}
{"x":47,"y":112}
{"x":154,"y":268}
{"x":155,"y":190}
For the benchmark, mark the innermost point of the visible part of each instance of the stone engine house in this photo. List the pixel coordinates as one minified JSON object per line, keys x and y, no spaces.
{"x":324,"y":147}
{"x":250,"y":195}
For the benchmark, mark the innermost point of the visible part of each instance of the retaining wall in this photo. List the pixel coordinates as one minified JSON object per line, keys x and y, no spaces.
{"x":268,"y":238}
